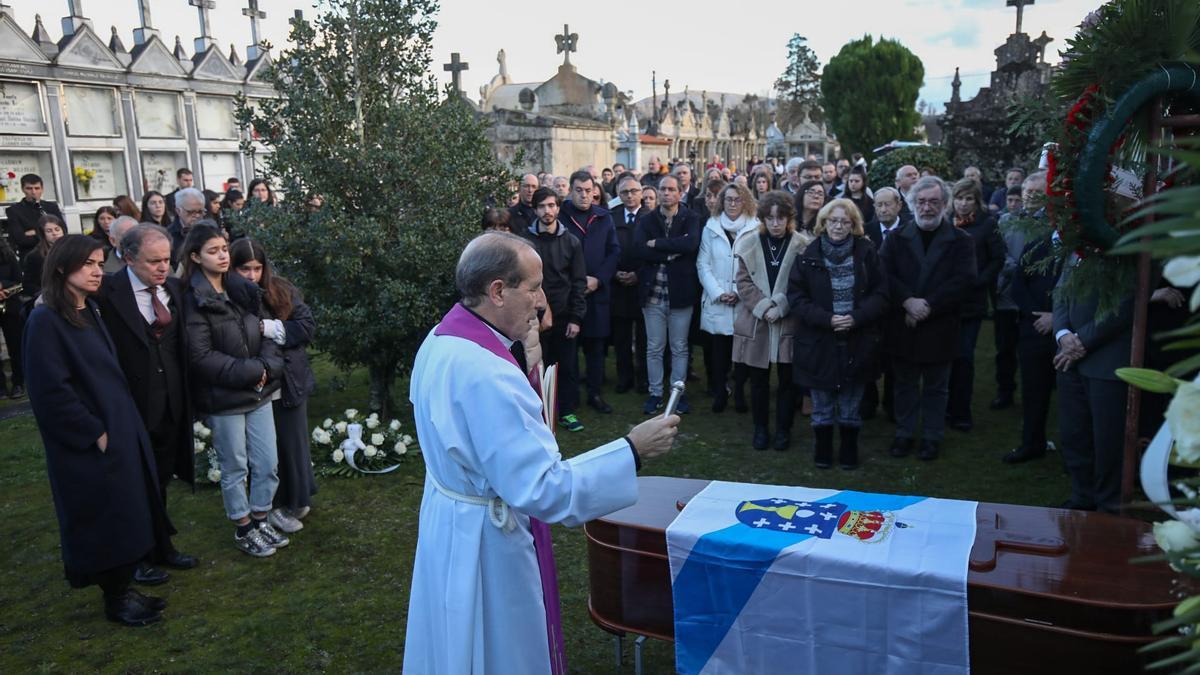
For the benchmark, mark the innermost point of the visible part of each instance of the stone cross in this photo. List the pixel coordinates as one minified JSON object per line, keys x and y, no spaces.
{"x":567,"y":42}
{"x":1040,"y":42}
{"x":203,"y":42}
{"x":455,"y":68}
{"x":255,"y":14}
{"x":143,"y":34}
{"x":76,"y":20}
{"x":1020,"y":5}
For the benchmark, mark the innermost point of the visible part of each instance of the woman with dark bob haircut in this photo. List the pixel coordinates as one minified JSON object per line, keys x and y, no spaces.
{"x":100,"y":464}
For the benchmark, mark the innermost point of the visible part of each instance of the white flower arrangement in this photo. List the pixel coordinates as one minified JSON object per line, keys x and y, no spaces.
{"x":380,"y":446}
{"x":207,"y":465}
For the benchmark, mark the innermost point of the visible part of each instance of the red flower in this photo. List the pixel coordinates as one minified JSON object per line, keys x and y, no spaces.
{"x":12,"y":175}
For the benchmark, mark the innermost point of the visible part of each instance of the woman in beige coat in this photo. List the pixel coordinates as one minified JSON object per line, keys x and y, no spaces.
{"x":762,"y":326}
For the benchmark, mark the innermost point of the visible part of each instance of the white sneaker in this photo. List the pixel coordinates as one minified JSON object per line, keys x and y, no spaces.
{"x":299,"y":513}
{"x":280,"y":520}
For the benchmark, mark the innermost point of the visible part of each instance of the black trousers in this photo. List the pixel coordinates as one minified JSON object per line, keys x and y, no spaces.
{"x":870,"y":399}
{"x":721,"y":358}
{"x":1007,"y":335}
{"x":114,"y":582}
{"x":558,"y":349}
{"x":962,"y":372}
{"x":629,"y":341}
{"x":594,"y":351}
{"x":1091,"y":419}
{"x":785,"y":395}
{"x":12,"y":325}
{"x":1037,"y":383}
{"x":164,"y":439}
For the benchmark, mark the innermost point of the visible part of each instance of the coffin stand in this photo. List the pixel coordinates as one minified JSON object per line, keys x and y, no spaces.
{"x":1049,"y":590}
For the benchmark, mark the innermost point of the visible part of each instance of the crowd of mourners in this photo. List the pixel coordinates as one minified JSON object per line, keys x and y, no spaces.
{"x":160,"y":316}
{"x":863,"y":302}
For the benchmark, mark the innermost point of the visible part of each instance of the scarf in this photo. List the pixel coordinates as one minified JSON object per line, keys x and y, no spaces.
{"x":732,"y":226}
{"x":839,"y":260}
{"x":960,"y":221}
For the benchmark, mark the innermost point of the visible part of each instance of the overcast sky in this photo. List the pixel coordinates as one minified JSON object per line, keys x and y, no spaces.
{"x":738,"y":47}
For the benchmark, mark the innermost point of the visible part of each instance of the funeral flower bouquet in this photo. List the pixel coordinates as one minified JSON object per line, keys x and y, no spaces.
{"x":8,"y":181}
{"x":208,"y":467}
{"x":354,"y":445}
{"x":84,"y":177}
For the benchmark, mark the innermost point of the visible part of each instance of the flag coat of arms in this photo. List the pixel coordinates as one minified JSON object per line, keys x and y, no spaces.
{"x":769,"y":579}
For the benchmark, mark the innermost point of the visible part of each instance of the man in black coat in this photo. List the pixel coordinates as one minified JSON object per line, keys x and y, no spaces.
{"x":887,"y":221}
{"x":183,"y":180}
{"x":931,"y":268}
{"x":521,"y":215}
{"x":142,"y":307}
{"x":592,"y":225}
{"x":1032,"y":290}
{"x":190,"y":207}
{"x":1091,"y":398}
{"x":689,"y":192}
{"x":628,"y":324}
{"x":564,"y":281}
{"x":667,"y":241}
{"x":23,"y":216}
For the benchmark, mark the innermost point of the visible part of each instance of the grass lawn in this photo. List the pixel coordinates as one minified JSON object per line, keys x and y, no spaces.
{"x":336,"y":598}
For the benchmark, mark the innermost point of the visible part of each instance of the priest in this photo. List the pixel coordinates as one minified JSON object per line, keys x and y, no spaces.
{"x":479,"y":602}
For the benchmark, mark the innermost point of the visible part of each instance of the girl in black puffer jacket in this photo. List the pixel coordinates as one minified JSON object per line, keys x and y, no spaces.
{"x":234,"y":374}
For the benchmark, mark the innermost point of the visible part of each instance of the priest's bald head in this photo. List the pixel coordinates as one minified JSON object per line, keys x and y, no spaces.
{"x":499,"y":277}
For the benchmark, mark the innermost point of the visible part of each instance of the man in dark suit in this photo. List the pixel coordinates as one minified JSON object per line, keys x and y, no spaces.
{"x":521,"y":215}
{"x":1091,"y":398}
{"x":592,"y":225}
{"x":142,"y":307}
{"x":23,"y":216}
{"x":931,"y":269}
{"x":1031,"y":286}
{"x":628,"y":325}
{"x":689,"y":192}
{"x":887,"y":221}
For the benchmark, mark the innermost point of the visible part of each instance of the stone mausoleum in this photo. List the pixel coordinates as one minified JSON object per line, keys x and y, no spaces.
{"x":84,"y":105}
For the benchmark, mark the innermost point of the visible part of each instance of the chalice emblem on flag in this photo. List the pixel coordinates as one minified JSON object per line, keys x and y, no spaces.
{"x":817,"y":519}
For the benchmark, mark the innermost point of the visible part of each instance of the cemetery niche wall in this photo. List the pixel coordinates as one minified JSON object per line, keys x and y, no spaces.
{"x":96,"y":120}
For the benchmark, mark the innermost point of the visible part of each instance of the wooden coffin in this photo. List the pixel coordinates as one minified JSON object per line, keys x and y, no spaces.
{"x":1049,"y":590}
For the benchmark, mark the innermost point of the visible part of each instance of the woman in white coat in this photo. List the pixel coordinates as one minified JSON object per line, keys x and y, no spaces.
{"x":732,"y":218}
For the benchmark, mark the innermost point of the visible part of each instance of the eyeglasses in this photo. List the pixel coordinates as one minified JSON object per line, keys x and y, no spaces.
{"x":839,"y":222}
{"x":733,"y":200}
{"x":815,"y":192}
{"x":634,"y":191}
{"x":194,"y":212}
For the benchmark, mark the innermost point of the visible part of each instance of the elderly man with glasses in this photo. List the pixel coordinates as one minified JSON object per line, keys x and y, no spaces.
{"x":189,"y":208}
{"x":930,"y":266}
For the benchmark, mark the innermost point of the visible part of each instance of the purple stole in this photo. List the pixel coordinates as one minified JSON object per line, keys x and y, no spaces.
{"x":461,"y":323}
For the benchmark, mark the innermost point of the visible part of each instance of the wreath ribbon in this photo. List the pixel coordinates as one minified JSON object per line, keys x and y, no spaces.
{"x":353,"y":444}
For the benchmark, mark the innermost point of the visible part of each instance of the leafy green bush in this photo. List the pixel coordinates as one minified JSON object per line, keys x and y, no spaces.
{"x":883,"y":169}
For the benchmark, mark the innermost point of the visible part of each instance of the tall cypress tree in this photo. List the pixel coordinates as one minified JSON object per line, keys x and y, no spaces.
{"x":799,"y":87}
{"x":869,"y":92}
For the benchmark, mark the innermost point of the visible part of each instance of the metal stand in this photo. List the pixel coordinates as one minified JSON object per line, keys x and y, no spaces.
{"x":619,"y":643}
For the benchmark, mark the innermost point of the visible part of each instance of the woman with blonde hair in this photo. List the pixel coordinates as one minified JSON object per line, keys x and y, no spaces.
{"x":838,"y":294}
{"x":763,"y":325}
{"x":732,"y":219}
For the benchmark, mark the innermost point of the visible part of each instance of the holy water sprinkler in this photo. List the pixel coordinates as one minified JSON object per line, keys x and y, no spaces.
{"x":676,"y":393}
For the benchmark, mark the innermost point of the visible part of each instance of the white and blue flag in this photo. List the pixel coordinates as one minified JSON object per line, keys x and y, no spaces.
{"x":768,"y":579}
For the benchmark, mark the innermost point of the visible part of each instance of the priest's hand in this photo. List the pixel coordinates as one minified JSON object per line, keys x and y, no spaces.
{"x":654,"y":436}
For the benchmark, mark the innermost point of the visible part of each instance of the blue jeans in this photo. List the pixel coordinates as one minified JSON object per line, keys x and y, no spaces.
{"x":663,"y":324}
{"x":245,"y":445}
{"x":837,"y":406}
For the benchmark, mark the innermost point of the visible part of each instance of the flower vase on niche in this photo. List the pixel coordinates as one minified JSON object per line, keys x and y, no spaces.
{"x":83,"y":178}
{"x":8,"y":182}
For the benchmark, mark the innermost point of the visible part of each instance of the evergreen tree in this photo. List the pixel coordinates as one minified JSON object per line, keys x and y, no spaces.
{"x":869,"y":92}
{"x":799,"y":87}
{"x":402,"y":170}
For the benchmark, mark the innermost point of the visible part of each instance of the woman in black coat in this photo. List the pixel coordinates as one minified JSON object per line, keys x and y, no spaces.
{"x":100,"y":464}
{"x":234,"y":375}
{"x":288,"y":321}
{"x":838,"y":292}
{"x":971,"y":215}
{"x":10,"y":319}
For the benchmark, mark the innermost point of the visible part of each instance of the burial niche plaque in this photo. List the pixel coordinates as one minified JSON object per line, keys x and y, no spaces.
{"x":214,"y":118}
{"x":218,"y":166}
{"x":91,"y":111}
{"x":158,"y":114}
{"x":97,"y":174}
{"x":17,"y":163}
{"x":21,"y":109}
{"x":159,"y":167}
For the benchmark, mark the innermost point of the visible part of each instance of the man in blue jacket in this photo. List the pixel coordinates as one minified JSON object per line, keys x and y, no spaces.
{"x":593,"y":227}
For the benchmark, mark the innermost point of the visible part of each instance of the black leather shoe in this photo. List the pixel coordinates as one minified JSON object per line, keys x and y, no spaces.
{"x":599,"y":405}
{"x":129,"y":611}
{"x":901,"y":447}
{"x":149,"y":575}
{"x":783,"y":439}
{"x":1022,"y":454}
{"x":179,"y":561}
{"x":960,"y":425}
{"x":760,"y":438}
{"x":929,"y":451}
{"x":1001,"y":402}
{"x":149,"y":601}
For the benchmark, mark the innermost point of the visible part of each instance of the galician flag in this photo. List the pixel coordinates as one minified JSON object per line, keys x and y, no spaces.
{"x":770,"y":579}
